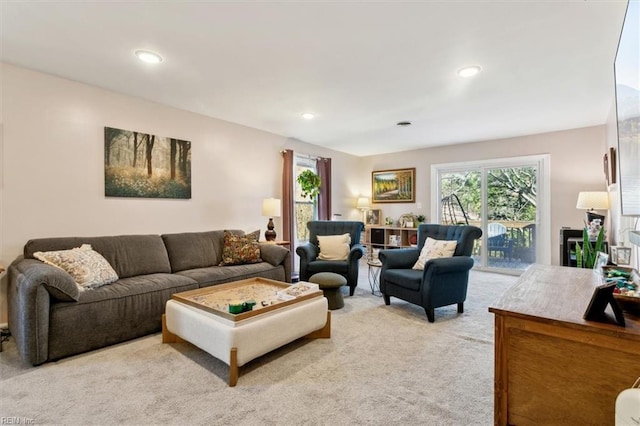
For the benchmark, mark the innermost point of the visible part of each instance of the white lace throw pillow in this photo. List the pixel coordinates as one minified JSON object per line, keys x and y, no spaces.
{"x":434,"y":249}
{"x":334,"y":247}
{"x":88,"y":268}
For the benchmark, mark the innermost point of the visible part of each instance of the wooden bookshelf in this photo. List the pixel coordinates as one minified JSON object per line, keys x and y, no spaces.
{"x":388,"y":237}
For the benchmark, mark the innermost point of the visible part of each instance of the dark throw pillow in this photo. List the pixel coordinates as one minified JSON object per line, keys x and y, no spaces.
{"x":240,"y":249}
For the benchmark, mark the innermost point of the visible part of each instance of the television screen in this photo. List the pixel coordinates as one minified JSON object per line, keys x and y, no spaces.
{"x":627,"y":79}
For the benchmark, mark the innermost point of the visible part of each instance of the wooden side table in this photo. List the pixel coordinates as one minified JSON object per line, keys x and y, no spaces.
{"x":279,"y":242}
{"x":374,"y":276}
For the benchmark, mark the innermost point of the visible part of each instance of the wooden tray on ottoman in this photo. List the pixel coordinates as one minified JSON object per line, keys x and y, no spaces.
{"x":201,"y":317}
{"x":275,"y":294}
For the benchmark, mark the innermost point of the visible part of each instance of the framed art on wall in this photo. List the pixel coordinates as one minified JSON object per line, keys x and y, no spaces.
{"x":393,"y":186}
{"x":142,"y":165}
{"x":374,"y":217}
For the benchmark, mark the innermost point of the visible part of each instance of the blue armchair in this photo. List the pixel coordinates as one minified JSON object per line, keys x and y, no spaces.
{"x":309,"y":262}
{"x":442,"y":282}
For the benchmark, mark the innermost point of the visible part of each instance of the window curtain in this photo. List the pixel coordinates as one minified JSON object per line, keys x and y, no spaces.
{"x":323,"y":165}
{"x":287,"y":200}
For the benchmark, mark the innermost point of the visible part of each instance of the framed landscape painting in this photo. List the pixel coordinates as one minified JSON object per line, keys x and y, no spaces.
{"x":142,"y":165}
{"x":394,"y":186}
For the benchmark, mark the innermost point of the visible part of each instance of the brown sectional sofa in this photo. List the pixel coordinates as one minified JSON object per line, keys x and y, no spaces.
{"x":50,"y":318}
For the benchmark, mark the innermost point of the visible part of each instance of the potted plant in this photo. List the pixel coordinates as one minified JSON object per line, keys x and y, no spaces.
{"x":310,"y":184}
{"x":420,"y":219}
{"x":587,"y":254}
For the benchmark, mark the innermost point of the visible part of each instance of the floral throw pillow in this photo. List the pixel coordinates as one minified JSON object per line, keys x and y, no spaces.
{"x":87,"y":267}
{"x":434,"y":249}
{"x":240,"y":249}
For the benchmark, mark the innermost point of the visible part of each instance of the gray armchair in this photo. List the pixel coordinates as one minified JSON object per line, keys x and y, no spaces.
{"x":309,"y":262}
{"x":442,"y":282}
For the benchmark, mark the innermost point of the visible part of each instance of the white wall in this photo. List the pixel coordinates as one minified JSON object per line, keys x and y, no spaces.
{"x":576,"y":165}
{"x":51,"y":182}
{"x":53,"y":167}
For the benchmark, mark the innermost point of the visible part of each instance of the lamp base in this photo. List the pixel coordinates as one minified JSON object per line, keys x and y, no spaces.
{"x":270,"y":234}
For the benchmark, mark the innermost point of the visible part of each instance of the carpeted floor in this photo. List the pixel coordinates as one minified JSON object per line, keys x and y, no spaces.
{"x":382,"y":365}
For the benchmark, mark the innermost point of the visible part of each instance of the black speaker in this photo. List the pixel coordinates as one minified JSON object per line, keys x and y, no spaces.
{"x":565,"y":234}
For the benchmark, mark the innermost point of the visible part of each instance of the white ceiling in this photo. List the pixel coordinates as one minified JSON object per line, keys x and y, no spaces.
{"x":360,"y":66}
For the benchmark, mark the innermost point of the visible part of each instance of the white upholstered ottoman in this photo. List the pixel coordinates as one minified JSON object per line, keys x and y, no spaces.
{"x":238,"y":342}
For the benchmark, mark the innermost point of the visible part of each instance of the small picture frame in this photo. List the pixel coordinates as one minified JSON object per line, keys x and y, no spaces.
{"x":621,"y":255}
{"x":603,"y":296}
{"x":374,"y":217}
{"x":601,"y":261}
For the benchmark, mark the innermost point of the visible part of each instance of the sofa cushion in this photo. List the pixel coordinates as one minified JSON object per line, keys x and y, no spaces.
{"x":225,"y":274}
{"x":129,"y":308}
{"x":87,"y":267}
{"x":240,"y":249}
{"x":434,"y":249}
{"x":189,"y":250}
{"x":334,"y":247}
{"x":129,"y":255}
{"x":410,"y":279}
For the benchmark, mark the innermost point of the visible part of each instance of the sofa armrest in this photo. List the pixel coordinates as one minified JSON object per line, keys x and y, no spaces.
{"x":307,"y":252}
{"x":56,"y":281}
{"x":445,"y":280}
{"x":273,"y":253}
{"x":447,"y":265}
{"x":356,"y":253}
{"x":32,"y":286}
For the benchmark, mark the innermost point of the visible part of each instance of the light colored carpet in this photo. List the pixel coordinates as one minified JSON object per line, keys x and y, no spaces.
{"x":382,"y":365}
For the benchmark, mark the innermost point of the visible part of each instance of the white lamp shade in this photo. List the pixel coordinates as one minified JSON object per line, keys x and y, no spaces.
{"x":362,"y":203}
{"x":597,"y":200}
{"x":271,"y":207}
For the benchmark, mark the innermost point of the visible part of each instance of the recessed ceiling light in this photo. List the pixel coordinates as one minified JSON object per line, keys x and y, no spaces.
{"x":148,"y":56}
{"x":469,"y":71}
{"x":308,"y":115}
{"x":404,"y":123}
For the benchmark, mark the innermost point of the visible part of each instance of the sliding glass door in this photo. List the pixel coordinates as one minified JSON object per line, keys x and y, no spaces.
{"x":507,"y":199}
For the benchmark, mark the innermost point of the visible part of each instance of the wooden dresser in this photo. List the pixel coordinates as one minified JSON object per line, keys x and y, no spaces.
{"x":551,"y":366}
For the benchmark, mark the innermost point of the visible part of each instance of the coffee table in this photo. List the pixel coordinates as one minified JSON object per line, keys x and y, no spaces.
{"x":282,"y":314}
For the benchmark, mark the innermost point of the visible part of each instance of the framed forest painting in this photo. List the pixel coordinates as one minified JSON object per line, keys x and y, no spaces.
{"x":393,"y":186}
{"x":145,"y":166}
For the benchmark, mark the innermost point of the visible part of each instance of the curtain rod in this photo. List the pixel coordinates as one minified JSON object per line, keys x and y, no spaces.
{"x":308,"y":156}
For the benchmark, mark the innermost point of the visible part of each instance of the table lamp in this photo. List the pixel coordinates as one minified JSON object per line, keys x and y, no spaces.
{"x":363,"y":204}
{"x":270,"y":209}
{"x":591,"y":201}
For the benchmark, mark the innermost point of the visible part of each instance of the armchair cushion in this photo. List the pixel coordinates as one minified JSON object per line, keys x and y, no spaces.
{"x":407,"y":278}
{"x":334,"y":247}
{"x":434,"y":249}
